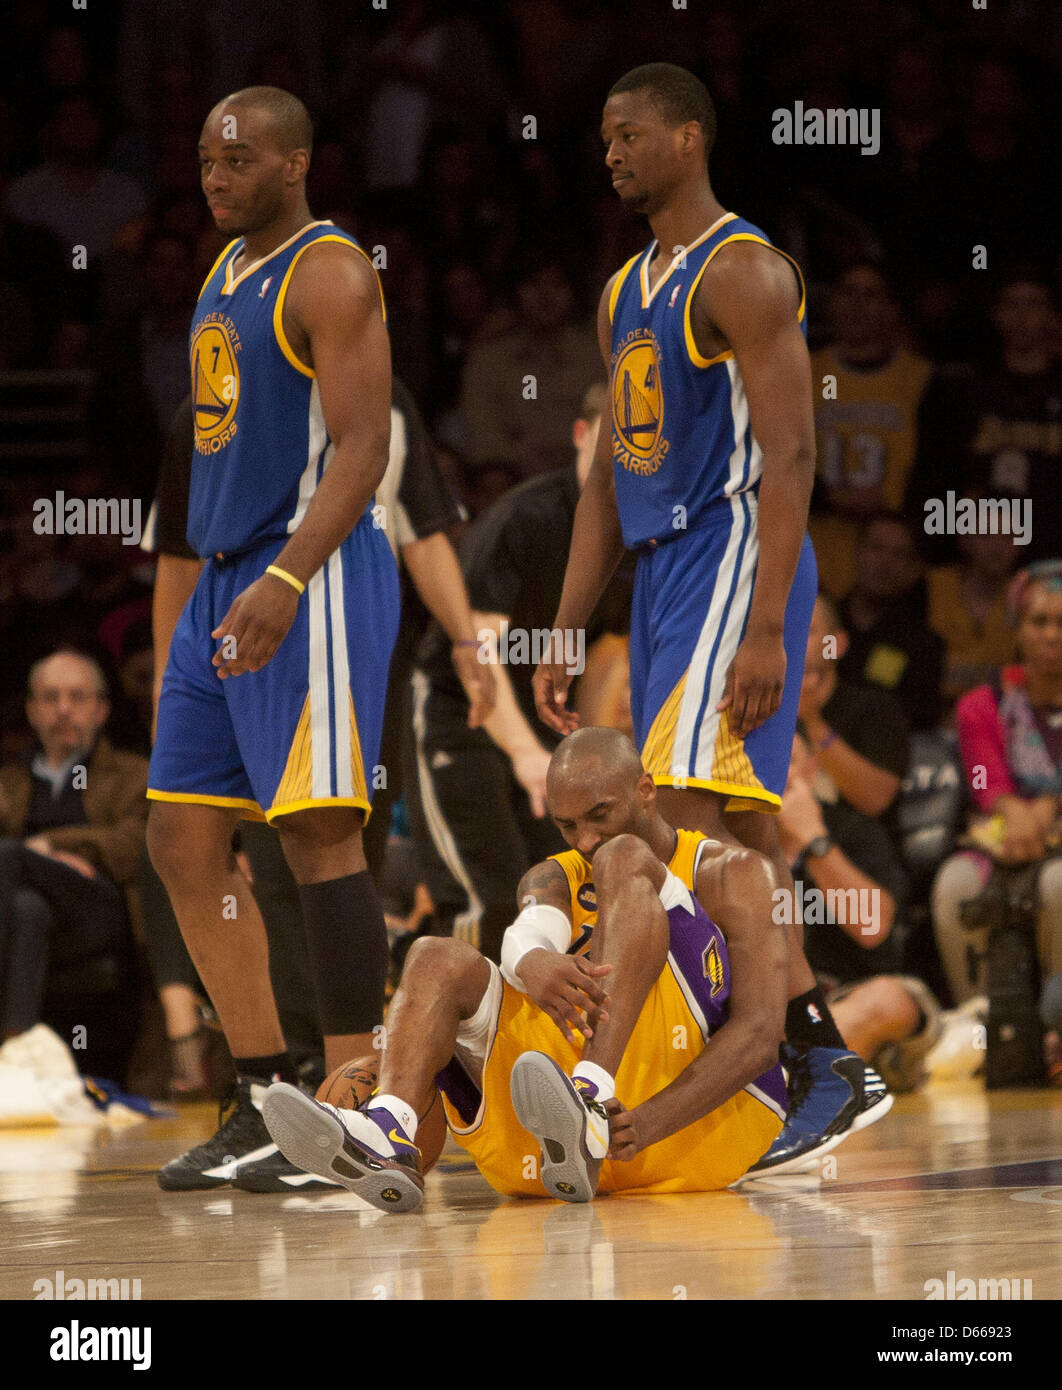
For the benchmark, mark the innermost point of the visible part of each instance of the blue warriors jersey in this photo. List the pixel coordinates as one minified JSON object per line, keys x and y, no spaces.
{"x":681,"y":437}
{"x":261,"y":446}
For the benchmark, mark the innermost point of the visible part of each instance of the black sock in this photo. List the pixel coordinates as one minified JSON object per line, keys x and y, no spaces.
{"x":265,"y":1069}
{"x":347,"y":939}
{"x":809,"y":1023}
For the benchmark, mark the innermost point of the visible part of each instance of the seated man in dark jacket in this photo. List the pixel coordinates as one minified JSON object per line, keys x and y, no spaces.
{"x":72,"y":816}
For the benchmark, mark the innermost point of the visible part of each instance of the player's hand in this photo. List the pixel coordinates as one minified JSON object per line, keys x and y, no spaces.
{"x":39,"y":844}
{"x":257,"y":622}
{"x":624,"y":1139}
{"x":550,"y":684}
{"x":477,"y":679}
{"x":755,"y":681}
{"x":530,"y":766}
{"x":566,"y":988}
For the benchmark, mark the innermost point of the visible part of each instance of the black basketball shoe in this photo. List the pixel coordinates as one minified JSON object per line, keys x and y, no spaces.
{"x":276,"y":1174}
{"x":241,"y":1138}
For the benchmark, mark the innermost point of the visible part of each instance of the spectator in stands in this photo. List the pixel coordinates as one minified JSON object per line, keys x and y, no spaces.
{"x":857,"y":733}
{"x":30,"y":268}
{"x":999,"y":427}
{"x":1010,"y":738}
{"x":430,"y":65}
{"x":521,"y":390}
{"x":73,"y":815}
{"x":463,"y":316}
{"x":991,"y":171}
{"x":851,"y":885}
{"x":868,"y":389}
{"x":131,"y":724}
{"x":142,"y":362}
{"x":889,"y":644}
{"x":967,"y":605}
{"x":73,"y":195}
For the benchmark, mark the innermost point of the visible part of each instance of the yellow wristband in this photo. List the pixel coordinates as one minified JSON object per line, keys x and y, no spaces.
{"x":296,"y":584}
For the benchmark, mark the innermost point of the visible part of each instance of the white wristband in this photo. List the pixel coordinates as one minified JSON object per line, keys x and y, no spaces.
{"x":538,"y":927}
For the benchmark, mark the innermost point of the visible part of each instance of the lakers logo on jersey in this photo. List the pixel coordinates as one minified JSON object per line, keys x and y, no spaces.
{"x":638,"y":404}
{"x":587,"y":898}
{"x":712,"y":965}
{"x":215,"y":383}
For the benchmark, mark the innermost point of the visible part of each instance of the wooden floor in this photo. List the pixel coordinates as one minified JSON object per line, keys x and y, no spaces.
{"x":952,"y":1180}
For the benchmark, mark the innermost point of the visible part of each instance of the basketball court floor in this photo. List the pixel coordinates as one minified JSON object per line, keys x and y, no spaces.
{"x":953,"y":1182}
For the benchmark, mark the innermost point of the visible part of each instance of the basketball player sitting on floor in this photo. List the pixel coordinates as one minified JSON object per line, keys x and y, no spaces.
{"x":619,"y":1089}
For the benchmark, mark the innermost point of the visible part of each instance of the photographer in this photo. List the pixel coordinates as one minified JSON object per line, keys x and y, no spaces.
{"x":1010,"y":736}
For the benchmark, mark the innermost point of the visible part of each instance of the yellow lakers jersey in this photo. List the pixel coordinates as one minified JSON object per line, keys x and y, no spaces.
{"x":865,"y":439}
{"x":579,"y":873}
{"x":672,"y":1029}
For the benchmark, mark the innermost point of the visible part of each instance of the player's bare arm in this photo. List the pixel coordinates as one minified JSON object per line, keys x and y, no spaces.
{"x":596,"y":550}
{"x":565,"y":987}
{"x":735,"y":886}
{"x":747,"y":302}
{"x":334,"y":323}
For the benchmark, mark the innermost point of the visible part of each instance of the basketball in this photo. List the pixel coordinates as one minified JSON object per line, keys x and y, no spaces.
{"x":351,"y":1085}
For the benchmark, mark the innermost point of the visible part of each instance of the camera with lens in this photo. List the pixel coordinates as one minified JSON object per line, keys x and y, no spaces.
{"x":1007,"y":908}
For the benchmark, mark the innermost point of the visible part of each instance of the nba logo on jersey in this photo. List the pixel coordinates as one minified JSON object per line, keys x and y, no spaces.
{"x":674,"y":296}
{"x":265,"y":285}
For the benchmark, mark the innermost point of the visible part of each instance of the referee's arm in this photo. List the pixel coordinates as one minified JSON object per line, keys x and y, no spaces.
{"x":178,"y":567}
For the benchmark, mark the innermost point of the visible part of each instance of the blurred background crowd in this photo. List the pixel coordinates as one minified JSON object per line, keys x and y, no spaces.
{"x":933,"y":269}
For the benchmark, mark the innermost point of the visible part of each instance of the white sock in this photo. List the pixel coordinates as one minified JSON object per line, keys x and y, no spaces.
{"x":403,"y":1113}
{"x":597,"y":1076}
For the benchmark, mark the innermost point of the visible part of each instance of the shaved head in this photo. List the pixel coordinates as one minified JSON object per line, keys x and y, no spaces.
{"x":289,"y":121}
{"x":254,"y":153}
{"x":597,"y":788}
{"x":595,"y":756}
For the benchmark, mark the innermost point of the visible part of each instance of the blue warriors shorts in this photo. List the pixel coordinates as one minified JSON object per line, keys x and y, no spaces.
{"x":683,"y":1008}
{"x":691,"y":603}
{"x":303,"y":731}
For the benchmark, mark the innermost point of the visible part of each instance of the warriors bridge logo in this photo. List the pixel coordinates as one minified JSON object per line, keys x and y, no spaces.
{"x":215,"y":382}
{"x":638,"y":404}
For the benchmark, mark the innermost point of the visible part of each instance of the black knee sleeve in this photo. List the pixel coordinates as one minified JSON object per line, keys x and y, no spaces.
{"x":347,"y":941}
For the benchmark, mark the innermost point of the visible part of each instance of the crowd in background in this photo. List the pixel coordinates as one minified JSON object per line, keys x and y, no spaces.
{"x":460,"y":144}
